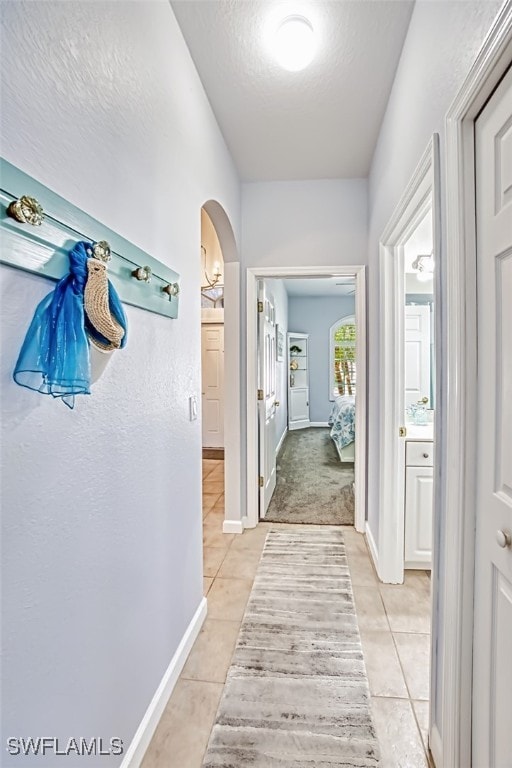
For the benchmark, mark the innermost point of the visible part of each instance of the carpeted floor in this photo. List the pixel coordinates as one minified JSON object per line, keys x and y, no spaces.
{"x":313,"y":486}
{"x":296,"y":693}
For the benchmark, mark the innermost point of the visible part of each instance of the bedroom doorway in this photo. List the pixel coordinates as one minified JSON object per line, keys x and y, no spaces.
{"x":354,"y":275}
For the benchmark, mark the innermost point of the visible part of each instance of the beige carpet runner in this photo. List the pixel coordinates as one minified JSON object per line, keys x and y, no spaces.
{"x":296,"y":694}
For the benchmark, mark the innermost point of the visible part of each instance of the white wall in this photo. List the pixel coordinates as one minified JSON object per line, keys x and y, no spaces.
{"x":316,"y":315}
{"x":413,"y":285}
{"x":101,"y":505}
{"x":303,"y":223}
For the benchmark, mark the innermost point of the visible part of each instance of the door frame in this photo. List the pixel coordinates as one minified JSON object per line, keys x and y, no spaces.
{"x":253,"y":275}
{"x":421,"y":195}
{"x":450,"y":740}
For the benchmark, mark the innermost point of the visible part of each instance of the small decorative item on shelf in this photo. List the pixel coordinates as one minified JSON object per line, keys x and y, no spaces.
{"x":292,"y":380}
{"x":295,"y":350}
{"x":294,"y":365}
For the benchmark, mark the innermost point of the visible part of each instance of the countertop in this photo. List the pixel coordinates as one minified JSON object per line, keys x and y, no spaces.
{"x":419,"y":432}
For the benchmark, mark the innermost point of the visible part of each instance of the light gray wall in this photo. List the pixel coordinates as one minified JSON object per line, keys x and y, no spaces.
{"x":315,"y":316}
{"x":441,"y":44}
{"x":101,"y":506}
{"x":304,"y":223}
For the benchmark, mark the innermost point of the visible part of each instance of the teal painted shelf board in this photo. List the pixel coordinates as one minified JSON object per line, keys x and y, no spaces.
{"x":44,"y":249}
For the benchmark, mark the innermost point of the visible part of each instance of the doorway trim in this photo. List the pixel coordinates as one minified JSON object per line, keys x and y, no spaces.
{"x":253,"y":275}
{"x":421,"y":195}
{"x":451,"y":743}
{"x":232,"y":432}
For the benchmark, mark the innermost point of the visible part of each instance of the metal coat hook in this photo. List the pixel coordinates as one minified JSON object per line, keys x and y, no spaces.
{"x":143,"y":273}
{"x":172,"y":289}
{"x":101,"y":251}
{"x":26,"y":210}
{"x":43,"y":250}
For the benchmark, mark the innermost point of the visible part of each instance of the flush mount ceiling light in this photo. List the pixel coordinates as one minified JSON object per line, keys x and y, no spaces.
{"x":294,"y":43}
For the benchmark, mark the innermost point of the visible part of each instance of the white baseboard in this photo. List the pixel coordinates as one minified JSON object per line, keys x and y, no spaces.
{"x":436,"y":746}
{"x":281,"y":440}
{"x":299,"y":425}
{"x":144,"y":733}
{"x":372,"y":547}
{"x":233,"y":526}
{"x":318,"y":424}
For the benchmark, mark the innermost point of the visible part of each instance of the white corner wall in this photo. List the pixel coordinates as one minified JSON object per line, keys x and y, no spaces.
{"x":101,"y":511}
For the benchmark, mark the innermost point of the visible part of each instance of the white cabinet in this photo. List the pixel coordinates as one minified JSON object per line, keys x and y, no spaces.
{"x":298,"y":380}
{"x":419,"y":483}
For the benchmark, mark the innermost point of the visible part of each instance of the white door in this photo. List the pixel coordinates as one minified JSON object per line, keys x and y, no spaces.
{"x":417,"y":353}
{"x":266,"y":396}
{"x":492,"y":660}
{"x":212,"y":374}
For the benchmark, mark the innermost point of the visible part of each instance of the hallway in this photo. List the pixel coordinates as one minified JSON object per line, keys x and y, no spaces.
{"x":179,"y":107}
{"x":393,"y":621}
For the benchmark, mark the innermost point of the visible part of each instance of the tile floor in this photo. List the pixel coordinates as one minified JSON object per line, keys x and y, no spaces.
{"x":393,"y":620}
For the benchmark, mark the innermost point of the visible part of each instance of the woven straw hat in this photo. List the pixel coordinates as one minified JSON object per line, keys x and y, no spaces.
{"x":96,"y":305}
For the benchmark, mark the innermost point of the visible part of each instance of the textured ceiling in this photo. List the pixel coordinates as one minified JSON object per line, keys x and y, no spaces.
{"x":322,"y":122}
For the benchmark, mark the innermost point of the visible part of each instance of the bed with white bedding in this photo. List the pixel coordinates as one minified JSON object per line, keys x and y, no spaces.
{"x":343,"y":426}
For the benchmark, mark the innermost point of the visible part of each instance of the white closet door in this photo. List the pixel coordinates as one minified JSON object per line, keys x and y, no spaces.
{"x":492,"y":649}
{"x":212,"y":355}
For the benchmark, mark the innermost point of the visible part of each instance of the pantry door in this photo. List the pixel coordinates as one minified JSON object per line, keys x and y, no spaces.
{"x":492,"y":653}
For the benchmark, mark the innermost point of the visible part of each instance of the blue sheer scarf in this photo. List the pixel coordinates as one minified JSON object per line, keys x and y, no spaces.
{"x":54,"y":359}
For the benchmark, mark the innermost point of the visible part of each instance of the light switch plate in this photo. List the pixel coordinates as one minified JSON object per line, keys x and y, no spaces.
{"x":192,"y":405}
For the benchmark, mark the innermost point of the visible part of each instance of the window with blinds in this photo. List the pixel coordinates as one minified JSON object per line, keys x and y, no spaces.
{"x":343,"y":373}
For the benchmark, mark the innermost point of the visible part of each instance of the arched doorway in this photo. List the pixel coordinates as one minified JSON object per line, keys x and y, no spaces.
{"x":231,"y":372}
